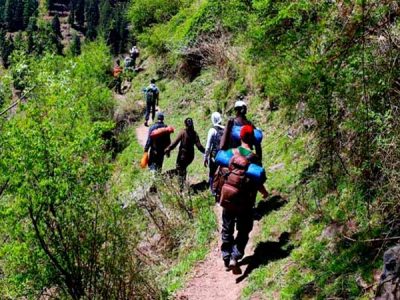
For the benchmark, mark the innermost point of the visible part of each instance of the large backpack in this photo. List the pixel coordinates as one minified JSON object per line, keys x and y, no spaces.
{"x":215,"y":142}
{"x":151,"y":95}
{"x":389,"y":285}
{"x":236,"y":185}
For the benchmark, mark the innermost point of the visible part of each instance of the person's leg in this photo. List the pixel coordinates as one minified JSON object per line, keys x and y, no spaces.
{"x":244,"y":227}
{"x":181,"y":169}
{"x":228,"y":227}
{"x":147,"y":115}
{"x":213,"y":168}
{"x":159,"y":163}
{"x":153,"y":111}
{"x":118,"y":86}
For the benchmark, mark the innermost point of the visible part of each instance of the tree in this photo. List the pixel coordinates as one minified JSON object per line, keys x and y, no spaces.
{"x":105,"y":18}
{"x":56,"y":26}
{"x":30,"y":34}
{"x":30,"y":7}
{"x":80,"y":13}
{"x":6,"y":47}
{"x":75,"y":45}
{"x":71,"y":16}
{"x":50,"y":4}
{"x":13,"y":15}
{"x":92,"y":18}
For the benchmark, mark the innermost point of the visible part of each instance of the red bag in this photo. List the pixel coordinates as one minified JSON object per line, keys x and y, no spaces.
{"x":236,"y":184}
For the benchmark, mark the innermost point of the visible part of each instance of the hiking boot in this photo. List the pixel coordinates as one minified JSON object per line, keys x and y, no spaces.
{"x":234,"y":266}
{"x":145,"y":124}
{"x":226,"y":264}
{"x":232,"y":262}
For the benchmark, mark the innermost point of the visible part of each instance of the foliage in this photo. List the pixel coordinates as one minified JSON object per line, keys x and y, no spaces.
{"x":144,"y":13}
{"x":56,"y":170}
{"x":75,"y":47}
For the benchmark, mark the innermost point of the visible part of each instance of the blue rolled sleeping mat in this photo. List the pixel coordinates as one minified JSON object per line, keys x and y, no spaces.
{"x":254,"y":172}
{"x":258,"y":135}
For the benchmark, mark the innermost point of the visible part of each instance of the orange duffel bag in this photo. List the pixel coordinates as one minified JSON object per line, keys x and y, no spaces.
{"x":145,"y":160}
{"x":161,"y":131}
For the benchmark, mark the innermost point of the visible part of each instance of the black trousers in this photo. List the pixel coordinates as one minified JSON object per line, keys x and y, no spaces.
{"x":156,"y":161}
{"x":212,"y":169}
{"x":234,"y":247}
{"x":118,"y":85}
{"x":150,"y":109}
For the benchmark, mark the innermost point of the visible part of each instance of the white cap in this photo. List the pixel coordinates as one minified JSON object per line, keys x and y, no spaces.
{"x":216,"y":118}
{"x":240,"y":103}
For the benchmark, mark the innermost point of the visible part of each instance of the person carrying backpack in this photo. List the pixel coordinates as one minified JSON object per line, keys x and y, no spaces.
{"x":212,"y":146}
{"x":152,"y":95}
{"x":240,"y":119}
{"x":117,"y":71}
{"x":134,"y":54}
{"x":238,"y":196}
{"x":157,"y":145}
{"x":187,"y":139}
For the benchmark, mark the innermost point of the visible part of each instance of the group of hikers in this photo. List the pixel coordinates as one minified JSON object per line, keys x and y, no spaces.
{"x":235,"y":169}
{"x":129,"y":65}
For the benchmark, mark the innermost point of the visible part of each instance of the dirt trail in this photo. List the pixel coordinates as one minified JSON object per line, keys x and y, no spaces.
{"x":209,"y":280}
{"x":141,"y":134}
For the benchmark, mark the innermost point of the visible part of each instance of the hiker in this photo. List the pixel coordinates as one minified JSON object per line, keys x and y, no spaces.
{"x":212,"y":146}
{"x":240,"y":119}
{"x":157,"y":145}
{"x":238,"y":198}
{"x":186,"y":139}
{"x":152,"y":95}
{"x":117,"y":76}
{"x":128,"y":63}
{"x":134,"y":54}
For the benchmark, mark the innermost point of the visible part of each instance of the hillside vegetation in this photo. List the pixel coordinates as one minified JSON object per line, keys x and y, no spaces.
{"x":322,"y":81}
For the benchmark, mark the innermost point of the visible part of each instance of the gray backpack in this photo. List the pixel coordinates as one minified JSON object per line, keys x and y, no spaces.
{"x":151,"y":95}
{"x":389,"y":284}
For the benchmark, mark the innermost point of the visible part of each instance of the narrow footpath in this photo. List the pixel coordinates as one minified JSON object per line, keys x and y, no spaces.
{"x":209,"y":280}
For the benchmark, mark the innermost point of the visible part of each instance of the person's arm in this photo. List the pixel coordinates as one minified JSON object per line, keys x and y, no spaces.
{"x":259,"y":152}
{"x":210,"y":135}
{"x":224,"y":145}
{"x":148,"y":142}
{"x":199,"y":145}
{"x":263,"y":191}
{"x":157,"y":96}
{"x":174,"y":143}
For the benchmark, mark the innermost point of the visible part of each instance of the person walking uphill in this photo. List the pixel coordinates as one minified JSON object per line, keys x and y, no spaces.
{"x":238,"y":196}
{"x":157,"y":145}
{"x":186,"y":139}
{"x":212,"y":146}
{"x":240,"y":119}
{"x":152,"y":95}
{"x":117,"y":71}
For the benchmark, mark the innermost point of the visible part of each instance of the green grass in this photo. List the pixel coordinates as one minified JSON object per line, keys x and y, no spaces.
{"x":198,"y":248}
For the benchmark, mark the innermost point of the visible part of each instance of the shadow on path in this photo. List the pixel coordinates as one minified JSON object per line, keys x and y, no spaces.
{"x":199,"y":187}
{"x":265,"y":207}
{"x":264,"y":253}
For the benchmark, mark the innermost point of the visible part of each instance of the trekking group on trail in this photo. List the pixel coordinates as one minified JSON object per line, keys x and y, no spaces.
{"x":235,"y":171}
{"x":129,"y":65}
